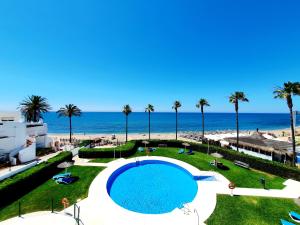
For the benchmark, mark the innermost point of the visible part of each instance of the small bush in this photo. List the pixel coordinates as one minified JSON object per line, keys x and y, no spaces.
{"x":15,"y":187}
{"x":84,"y":143}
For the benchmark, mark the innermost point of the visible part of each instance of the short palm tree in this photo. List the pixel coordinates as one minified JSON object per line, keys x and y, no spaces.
{"x":235,"y":98}
{"x":149,"y":109}
{"x":176,"y":106}
{"x":202,"y":102}
{"x":33,"y":107}
{"x":126,"y":110}
{"x":286,"y":92}
{"x":69,"y":110}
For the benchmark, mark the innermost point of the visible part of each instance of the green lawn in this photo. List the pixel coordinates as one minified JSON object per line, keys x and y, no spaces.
{"x":40,"y":198}
{"x":251,"y":210}
{"x":240,"y":176}
{"x":102,"y":160}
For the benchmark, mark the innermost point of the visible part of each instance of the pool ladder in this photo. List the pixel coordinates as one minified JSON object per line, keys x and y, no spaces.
{"x":137,"y":161}
{"x":196,"y":212}
{"x":187,"y":211}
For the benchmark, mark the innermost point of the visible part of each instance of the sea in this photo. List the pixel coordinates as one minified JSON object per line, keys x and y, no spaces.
{"x":164,"y":122}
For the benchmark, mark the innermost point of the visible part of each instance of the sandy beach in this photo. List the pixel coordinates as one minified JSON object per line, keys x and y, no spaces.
{"x":280,"y":133}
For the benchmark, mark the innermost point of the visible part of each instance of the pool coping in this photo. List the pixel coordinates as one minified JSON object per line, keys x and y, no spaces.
{"x":99,"y":205}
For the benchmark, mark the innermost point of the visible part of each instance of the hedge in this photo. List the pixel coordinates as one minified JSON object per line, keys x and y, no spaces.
{"x":125,"y":150}
{"x":271,"y":167}
{"x":15,"y":187}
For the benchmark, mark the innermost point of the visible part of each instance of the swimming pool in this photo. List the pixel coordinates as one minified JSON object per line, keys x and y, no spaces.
{"x":151,"y":186}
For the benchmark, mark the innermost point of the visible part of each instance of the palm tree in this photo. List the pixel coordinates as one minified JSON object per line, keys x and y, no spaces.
{"x":69,"y":110}
{"x":149,"y":109}
{"x":126,"y":110}
{"x":235,"y":98}
{"x":286,"y":92}
{"x":33,"y":107}
{"x":176,"y":106}
{"x":202,"y":102}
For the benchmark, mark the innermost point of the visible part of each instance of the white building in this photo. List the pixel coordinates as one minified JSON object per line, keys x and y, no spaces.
{"x":19,"y":139}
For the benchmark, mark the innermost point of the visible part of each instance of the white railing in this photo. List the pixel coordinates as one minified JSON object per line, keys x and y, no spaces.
{"x":198,"y":220}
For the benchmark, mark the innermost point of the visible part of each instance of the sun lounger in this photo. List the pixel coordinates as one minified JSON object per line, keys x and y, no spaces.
{"x":152,"y":149}
{"x":295,"y":216}
{"x":181,"y":151}
{"x":61,"y":175}
{"x":242,"y":164}
{"x":140,"y":149}
{"x":284,"y":222}
{"x":190,"y":152}
{"x":65,"y":180}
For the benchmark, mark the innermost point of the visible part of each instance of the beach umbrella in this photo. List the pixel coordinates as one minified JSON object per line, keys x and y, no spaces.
{"x":65,"y":165}
{"x":186,"y":145}
{"x":217,"y":155}
{"x":145,"y":143}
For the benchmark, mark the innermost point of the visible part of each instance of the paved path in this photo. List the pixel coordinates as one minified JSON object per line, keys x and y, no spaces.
{"x":44,"y":218}
{"x":85,"y":162}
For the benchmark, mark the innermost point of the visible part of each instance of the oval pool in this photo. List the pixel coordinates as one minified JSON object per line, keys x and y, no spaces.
{"x":151,"y":187}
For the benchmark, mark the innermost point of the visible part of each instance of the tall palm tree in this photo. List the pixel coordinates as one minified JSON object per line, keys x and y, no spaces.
{"x":202,"y":102}
{"x":235,"y":98}
{"x":286,"y":92}
{"x":126,"y":110}
{"x":149,"y":109}
{"x":69,"y":110}
{"x":176,"y":106}
{"x":33,"y":107}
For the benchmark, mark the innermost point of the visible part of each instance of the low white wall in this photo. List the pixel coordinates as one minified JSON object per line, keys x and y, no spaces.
{"x":16,"y":171}
{"x":255,"y":154}
{"x":37,"y":130}
{"x":28,"y":154}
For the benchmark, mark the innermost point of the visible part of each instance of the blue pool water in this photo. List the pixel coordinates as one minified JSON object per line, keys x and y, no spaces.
{"x":152,"y":187}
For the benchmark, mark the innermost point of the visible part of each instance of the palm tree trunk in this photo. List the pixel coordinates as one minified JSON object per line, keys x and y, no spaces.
{"x":237,"y":130}
{"x":202,"y":126}
{"x":70,"y":121}
{"x":293,"y":135}
{"x":149,"y":125}
{"x":126,"y":128}
{"x":176,"y":124}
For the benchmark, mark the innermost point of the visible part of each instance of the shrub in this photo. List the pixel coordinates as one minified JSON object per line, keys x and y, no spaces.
{"x":125,"y":150}
{"x":44,"y":151}
{"x":15,"y":187}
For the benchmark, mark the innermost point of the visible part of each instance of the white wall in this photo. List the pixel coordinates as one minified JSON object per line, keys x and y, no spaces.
{"x":16,"y":133}
{"x":255,"y":154}
{"x":28,"y":154}
{"x":37,"y":130}
{"x":16,"y":116}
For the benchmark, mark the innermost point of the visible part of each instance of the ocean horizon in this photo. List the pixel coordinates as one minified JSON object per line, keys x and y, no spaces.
{"x":164,"y":122}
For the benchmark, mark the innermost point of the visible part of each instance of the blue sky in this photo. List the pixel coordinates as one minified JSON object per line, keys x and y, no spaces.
{"x":101,"y":55}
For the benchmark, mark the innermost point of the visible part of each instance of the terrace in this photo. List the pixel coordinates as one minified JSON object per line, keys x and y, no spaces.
{"x":250,"y":200}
